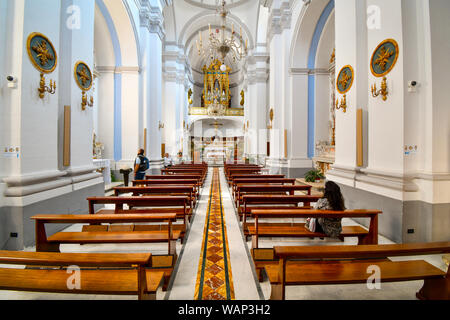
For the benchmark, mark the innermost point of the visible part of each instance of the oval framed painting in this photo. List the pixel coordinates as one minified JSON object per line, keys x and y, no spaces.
{"x":41,"y":52}
{"x":345,"y":79}
{"x":83,"y":76}
{"x":384,"y":58}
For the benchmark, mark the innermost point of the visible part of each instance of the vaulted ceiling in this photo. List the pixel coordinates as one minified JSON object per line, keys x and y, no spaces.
{"x":184,"y":19}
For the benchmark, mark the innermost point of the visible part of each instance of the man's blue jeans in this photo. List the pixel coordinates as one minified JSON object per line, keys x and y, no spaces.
{"x":139,"y":176}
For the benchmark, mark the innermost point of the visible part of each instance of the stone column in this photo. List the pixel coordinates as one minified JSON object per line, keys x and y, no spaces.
{"x":279,"y":36}
{"x":152,"y":37}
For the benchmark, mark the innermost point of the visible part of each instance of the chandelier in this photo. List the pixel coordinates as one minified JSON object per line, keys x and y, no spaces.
{"x":219,"y":45}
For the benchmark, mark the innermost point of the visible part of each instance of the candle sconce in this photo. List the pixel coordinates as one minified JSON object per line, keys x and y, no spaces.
{"x":383,"y":91}
{"x":342,"y":104}
{"x":43,"y":87}
{"x":271,"y":116}
{"x":84,"y":101}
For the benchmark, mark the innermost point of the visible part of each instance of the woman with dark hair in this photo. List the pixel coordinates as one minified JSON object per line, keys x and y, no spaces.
{"x":332,"y":200}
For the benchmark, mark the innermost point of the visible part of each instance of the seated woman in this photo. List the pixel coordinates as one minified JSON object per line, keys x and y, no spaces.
{"x":332,"y":200}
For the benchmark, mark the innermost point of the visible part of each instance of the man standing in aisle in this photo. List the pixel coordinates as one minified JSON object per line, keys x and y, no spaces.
{"x":141,"y":165}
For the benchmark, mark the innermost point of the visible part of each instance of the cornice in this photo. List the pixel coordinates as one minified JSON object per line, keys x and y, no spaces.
{"x":152,"y":19}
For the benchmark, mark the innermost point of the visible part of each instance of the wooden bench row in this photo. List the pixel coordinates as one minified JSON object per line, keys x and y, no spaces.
{"x":350,"y":264}
{"x":98,"y":273}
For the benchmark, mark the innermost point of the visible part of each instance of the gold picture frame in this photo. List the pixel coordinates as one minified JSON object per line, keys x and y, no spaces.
{"x":42,"y":52}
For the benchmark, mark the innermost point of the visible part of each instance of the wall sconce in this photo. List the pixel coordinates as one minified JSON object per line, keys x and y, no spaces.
{"x":383,"y":91}
{"x":343,"y":104}
{"x":161,"y":125}
{"x":271,"y":116}
{"x":84,"y":101}
{"x":43,"y":88}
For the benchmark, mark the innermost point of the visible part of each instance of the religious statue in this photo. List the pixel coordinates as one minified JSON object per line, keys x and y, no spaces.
{"x":98,"y":148}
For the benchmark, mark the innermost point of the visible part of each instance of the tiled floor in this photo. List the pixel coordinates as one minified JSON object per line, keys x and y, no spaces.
{"x":245,"y":285}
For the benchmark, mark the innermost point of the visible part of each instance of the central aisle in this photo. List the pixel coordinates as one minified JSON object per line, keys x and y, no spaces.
{"x":214,"y":263}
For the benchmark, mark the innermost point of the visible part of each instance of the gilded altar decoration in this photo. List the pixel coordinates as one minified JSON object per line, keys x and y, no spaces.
{"x":242,"y":98}
{"x":344,"y":83}
{"x":333,"y":56}
{"x":190,"y":97}
{"x":216,"y":92}
{"x":41,"y":52}
{"x":382,"y":62}
{"x":84,"y":80}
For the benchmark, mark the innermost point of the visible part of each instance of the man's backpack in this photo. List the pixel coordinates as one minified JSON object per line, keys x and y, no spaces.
{"x":145,"y":164}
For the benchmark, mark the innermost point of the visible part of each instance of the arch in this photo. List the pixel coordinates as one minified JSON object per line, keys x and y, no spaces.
{"x":303,"y":52}
{"x":126,"y":53}
{"x":197,"y":23}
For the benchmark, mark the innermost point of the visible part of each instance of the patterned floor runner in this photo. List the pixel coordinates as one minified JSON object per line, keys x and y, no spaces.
{"x":214,"y":279}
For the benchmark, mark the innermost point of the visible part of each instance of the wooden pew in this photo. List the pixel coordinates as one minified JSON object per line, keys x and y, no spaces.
{"x":137,"y":279}
{"x":169,"y":182}
{"x":272,"y":202}
{"x":177,"y":190}
{"x":268,"y":189}
{"x":290,"y":273}
{"x":227,"y":168}
{"x":255,"y":176}
{"x":102,"y":233}
{"x":148,"y":205}
{"x":185,"y":171}
{"x":237,"y":171}
{"x":275,"y":181}
{"x":364,"y":236}
{"x":177,"y":177}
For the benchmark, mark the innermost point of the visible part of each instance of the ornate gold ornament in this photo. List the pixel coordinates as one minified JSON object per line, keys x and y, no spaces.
{"x":41,"y":52}
{"x":216,"y":92}
{"x":343,"y":104}
{"x":43,"y":87}
{"x":382,"y":62}
{"x":384,"y":58}
{"x":43,"y":56}
{"x":383,"y":91}
{"x":242,"y":98}
{"x":333,"y":56}
{"x":190,"y":97}
{"x":83,"y":77}
{"x":271,"y":115}
{"x":344,"y":83}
